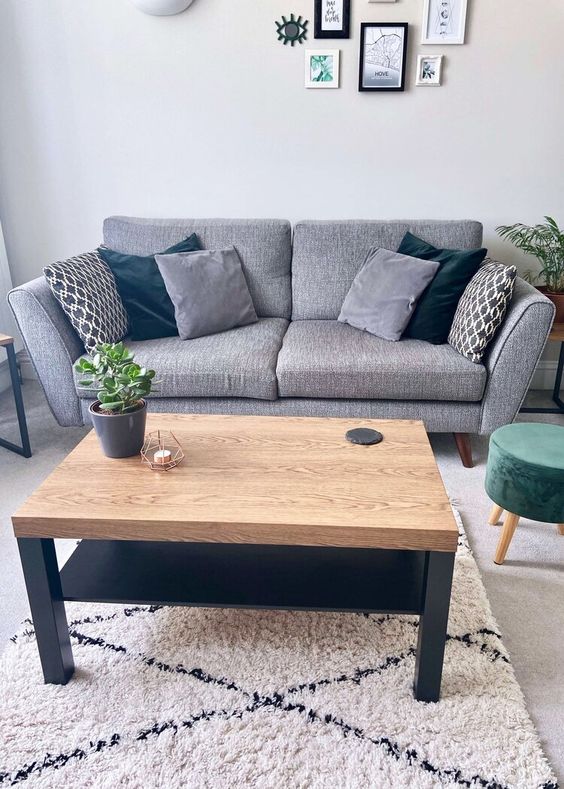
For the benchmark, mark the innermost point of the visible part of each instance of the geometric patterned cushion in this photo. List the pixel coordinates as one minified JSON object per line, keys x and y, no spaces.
{"x":481,"y":309}
{"x":86,"y":290}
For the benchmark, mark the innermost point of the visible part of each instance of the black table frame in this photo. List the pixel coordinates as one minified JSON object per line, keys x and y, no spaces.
{"x":555,"y":392}
{"x":368,"y":580}
{"x":25,"y":448}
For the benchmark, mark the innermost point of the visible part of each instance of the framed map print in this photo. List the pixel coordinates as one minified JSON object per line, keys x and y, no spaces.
{"x":444,"y":21}
{"x":332,"y":18}
{"x":383,"y":48}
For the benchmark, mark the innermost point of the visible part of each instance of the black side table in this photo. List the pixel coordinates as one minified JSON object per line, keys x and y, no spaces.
{"x":25,"y":449}
{"x":557,"y":335}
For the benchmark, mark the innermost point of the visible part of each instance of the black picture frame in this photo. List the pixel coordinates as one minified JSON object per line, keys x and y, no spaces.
{"x":344,"y":32}
{"x":362,"y":81}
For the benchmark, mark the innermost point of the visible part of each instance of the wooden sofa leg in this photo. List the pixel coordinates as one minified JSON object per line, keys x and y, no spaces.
{"x":464,"y":449}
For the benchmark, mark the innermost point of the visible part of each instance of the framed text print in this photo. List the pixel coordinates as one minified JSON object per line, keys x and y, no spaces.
{"x":383,"y":48}
{"x":332,"y":18}
{"x":444,"y":21}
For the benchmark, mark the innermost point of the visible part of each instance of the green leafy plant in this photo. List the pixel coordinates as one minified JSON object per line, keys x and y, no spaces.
{"x":121,"y":383}
{"x":544,"y":241}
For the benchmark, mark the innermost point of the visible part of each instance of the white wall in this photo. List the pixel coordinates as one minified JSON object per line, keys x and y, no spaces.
{"x":106,"y":110}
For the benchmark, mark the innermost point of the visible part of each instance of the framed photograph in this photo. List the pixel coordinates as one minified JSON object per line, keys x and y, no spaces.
{"x":444,"y":21}
{"x":383,"y":48}
{"x":332,"y":18}
{"x":322,"y":68}
{"x":429,"y":70}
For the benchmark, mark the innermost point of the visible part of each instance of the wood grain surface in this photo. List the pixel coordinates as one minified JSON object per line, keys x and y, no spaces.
{"x":5,"y":339}
{"x":557,"y":332}
{"x":271,"y":480}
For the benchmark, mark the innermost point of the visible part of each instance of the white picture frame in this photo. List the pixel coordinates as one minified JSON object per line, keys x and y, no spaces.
{"x":444,"y":22}
{"x":322,"y":68}
{"x":429,"y":69}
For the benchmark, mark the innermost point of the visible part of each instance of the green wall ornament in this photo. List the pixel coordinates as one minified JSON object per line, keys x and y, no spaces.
{"x":292,"y":30}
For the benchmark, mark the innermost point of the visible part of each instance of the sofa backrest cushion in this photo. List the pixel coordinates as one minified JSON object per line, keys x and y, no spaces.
{"x":264,"y":246}
{"x":327,"y":256}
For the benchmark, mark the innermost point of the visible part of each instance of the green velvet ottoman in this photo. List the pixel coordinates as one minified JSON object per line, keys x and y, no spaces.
{"x":525,"y":477}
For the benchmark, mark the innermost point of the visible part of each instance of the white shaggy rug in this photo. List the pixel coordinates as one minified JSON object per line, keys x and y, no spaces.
{"x":185,"y":697}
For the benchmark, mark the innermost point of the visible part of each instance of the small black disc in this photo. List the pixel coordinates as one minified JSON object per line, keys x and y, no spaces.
{"x":364,"y":435}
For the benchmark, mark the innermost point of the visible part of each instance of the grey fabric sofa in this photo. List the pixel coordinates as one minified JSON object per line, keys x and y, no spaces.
{"x":298,"y":359}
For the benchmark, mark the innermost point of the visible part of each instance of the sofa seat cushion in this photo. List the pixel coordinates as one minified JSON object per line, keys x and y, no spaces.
{"x":236,"y":363}
{"x":334,"y":360}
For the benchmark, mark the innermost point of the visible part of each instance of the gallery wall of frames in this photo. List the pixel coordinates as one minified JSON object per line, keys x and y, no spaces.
{"x":383,"y":52}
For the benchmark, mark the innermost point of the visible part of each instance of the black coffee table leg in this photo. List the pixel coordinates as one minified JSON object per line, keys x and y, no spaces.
{"x":433,"y":625}
{"x":41,"y":573}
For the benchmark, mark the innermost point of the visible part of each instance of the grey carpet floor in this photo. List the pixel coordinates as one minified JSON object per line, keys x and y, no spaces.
{"x":527,"y":593}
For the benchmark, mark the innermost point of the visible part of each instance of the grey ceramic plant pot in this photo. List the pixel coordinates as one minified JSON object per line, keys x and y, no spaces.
{"x":120,"y":435}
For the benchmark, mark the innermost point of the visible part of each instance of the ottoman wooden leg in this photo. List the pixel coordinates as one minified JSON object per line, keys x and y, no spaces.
{"x":561,"y":529}
{"x":505,"y":537}
{"x":495,"y":515}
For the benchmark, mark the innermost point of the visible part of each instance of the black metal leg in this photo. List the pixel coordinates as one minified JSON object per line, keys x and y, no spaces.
{"x":433,"y":625}
{"x":558,"y":380}
{"x":555,"y":392}
{"x":41,"y":573}
{"x":25,"y":448}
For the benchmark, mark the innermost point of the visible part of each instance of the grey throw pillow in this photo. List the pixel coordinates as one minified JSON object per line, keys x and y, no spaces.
{"x":385,"y":291}
{"x":209,"y":291}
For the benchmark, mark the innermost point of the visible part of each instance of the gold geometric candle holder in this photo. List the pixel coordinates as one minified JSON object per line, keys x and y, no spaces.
{"x":161,"y":450}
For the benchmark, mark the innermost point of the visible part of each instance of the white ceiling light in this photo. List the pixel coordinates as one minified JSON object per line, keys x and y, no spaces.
{"x":162,"y":7}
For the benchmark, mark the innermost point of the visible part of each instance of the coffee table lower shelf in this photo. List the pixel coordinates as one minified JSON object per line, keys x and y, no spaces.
{"x":239,"y":576}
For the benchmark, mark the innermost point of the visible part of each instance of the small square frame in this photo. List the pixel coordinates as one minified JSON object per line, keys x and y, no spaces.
{"x":335,"y":54}
{"x":422,"y":81}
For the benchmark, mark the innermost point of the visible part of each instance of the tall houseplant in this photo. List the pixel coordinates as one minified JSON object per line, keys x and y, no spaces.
{"x":545,"y":242}
{"x":120,"y":412}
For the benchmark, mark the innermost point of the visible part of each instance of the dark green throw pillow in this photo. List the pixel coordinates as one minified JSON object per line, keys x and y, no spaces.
{"x":434,"y":313}
{"x":143,"y":292}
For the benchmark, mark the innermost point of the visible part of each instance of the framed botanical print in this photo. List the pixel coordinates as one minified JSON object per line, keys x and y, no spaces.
{"x":332,"y":18}
{"x":444,"y":21}
{"x":429,"y":70}
{"x":322,"y":68}
{"x":383,"y":50}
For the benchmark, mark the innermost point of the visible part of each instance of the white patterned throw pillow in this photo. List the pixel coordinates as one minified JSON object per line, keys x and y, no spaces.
{"x":86,"y":290}
{"x":481,"y":309}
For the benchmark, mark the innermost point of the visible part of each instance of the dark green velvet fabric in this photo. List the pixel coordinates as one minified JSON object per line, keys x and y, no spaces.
{"x":525,"y":471}
{"x":434,"y":313}
{"x":143,"y":292}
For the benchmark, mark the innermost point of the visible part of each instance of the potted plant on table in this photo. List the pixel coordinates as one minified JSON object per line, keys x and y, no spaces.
{"x":544,"y":241}
{"x":120,"y":412}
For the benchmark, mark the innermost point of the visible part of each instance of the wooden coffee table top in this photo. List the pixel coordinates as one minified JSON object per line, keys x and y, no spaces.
{"x":271,"y":480}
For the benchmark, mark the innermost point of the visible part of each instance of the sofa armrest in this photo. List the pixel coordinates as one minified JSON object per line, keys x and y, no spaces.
{"x":52,"y":344}
{"x":514,"y":354}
